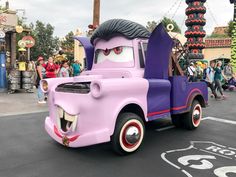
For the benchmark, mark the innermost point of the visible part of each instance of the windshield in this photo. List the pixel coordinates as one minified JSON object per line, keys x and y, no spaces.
{"x":118,"y":56}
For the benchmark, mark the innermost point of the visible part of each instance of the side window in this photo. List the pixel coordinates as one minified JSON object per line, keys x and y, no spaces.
{"x":145,"y":49}
{"x":142,"y":49}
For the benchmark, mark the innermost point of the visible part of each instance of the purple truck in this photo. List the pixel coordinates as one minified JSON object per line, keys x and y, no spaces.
{"x":127,"y":83}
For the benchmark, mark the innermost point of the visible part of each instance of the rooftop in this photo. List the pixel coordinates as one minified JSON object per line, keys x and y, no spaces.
{"x":218,"y":42}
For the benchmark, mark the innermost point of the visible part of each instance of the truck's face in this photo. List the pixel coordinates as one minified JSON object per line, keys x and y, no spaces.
{"x":83,"y":110}
{"x":118,"y":52}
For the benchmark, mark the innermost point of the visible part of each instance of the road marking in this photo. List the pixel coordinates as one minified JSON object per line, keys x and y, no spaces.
{"x":199,"y":163}
{"x":165,"y":128}
{"x":165,"y":159}
{"x":222,"y":172}
{"x":215,"y":154}
{"x":220,"y":120}
{"x":186,"y":173}
{"x":203,"y":119}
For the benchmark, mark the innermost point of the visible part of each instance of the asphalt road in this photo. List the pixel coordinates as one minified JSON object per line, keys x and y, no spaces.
{"x":27,"y":151}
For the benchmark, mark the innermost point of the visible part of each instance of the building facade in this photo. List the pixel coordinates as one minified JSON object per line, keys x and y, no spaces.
{"x":8,"y":22}
{"x":217,"y":48}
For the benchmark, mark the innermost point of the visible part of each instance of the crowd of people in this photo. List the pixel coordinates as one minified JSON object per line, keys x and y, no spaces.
{"x":217,"y":77}
{"x":49,"y":69}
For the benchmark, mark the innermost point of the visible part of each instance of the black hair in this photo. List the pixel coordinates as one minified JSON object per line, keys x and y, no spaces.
{"x":117,"y":27}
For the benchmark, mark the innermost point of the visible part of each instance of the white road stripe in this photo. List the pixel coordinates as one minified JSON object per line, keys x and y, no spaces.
{"x":220,"y":120}
{"x":203,"y":119}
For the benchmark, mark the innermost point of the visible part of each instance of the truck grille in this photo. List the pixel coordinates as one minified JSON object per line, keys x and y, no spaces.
{"x":73,"y":87}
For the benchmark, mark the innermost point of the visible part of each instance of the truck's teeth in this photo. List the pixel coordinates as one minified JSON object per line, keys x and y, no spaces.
{"x":68,"y":125}
{"x":58,"y":122}
{"x":60,"y":112}
{"x":74,"y":123}
{"x":69,"y":117}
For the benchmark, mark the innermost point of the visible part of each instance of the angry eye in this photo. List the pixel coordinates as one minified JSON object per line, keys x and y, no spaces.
{"x":118,"y":50}
{"x":106,"y":52}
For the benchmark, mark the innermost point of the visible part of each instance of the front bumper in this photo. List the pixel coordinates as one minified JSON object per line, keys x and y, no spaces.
{"x":87,"y":139}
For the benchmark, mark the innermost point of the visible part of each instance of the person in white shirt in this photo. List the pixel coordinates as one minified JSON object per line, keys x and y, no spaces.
{"x":191,"y":72}
{"x":210,"y":74}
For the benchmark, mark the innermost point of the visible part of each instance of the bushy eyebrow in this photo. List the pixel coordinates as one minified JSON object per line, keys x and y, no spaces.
{"x":110,"y":48}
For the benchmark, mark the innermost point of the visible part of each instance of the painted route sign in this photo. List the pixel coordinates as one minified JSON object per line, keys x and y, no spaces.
{"x":203,"y":158}
{"x":29,"y":41}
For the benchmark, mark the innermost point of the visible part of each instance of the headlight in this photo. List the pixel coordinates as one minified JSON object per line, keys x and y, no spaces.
{"x":44,"y":85}
{"x":96,"y":90}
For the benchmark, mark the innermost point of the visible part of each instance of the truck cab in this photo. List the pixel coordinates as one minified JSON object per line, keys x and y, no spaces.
{"x":128,"y":82}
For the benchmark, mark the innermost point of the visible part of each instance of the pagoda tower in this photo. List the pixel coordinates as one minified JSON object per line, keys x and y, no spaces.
{"x":195,"y":32}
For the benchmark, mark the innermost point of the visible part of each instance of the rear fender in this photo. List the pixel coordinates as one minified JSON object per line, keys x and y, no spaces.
{"x":198,"y":97}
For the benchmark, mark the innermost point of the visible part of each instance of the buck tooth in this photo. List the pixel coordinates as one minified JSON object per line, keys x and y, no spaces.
{"x":74,"y":123}
{"x":60,"y":112}
{"x":69,"y":117}
{"x":58,"y":122}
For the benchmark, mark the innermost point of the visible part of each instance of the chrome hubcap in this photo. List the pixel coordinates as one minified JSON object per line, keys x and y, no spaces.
{"x":196,"y":114}
{"x":132,"y":135}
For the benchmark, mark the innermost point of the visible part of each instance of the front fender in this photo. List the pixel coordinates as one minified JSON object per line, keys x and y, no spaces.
{"x":117,"y":93}
{"x":139,"y":103}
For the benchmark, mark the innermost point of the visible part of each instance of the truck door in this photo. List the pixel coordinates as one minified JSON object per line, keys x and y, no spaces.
{"x":156,"y":72}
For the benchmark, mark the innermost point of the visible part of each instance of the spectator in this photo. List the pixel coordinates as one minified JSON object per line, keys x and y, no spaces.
{"x":64,"y":71}
{"x":51,"y":68}
{"x":199,"y":71}
{"x":76,"y":68}
{"x":41,"y":74}
{"x":228,"y":71}
{"x":70,"y":69}
{"x":232,"y":82}
{"x":209,"y":78}
{"x":191,"y":72}
{"x":219,"y":75}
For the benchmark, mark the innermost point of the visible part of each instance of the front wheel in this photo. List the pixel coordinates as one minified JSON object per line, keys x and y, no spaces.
{"x":192,"y":119}
{"x":129,"y":133}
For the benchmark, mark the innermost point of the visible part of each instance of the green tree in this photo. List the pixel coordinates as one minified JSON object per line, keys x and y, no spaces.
{"x":67,"y":45}
{"x":233,"y":35}
{"x":167,"y":21}
{"x":151,"y":25}
{"x":45,"y":43}
{"x":19,"y":36}
{"x":230,"y":28}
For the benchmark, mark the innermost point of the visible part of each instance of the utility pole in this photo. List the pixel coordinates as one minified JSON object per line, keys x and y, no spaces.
{"x":96,"y":17}
{"x":96,"y":13}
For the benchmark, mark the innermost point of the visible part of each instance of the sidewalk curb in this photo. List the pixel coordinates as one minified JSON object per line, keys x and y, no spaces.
{"x":20,"y":114}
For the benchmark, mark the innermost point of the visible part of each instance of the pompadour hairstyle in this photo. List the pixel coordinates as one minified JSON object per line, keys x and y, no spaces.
{"x":120,"y":27}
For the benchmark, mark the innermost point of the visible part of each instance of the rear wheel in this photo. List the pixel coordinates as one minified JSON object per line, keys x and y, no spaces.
{"x":129,"y":133}
{"x":192,"y":119}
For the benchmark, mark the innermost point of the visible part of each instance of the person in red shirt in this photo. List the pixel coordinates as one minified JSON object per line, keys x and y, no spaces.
{"x":51,"y":68}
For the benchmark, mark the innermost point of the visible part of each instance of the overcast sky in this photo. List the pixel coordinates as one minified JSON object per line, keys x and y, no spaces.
{"x":68,"y":15}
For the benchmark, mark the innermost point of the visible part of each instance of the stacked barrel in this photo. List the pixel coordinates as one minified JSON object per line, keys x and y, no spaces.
{"x":20,"y":80}
{"x":195,"y":32}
